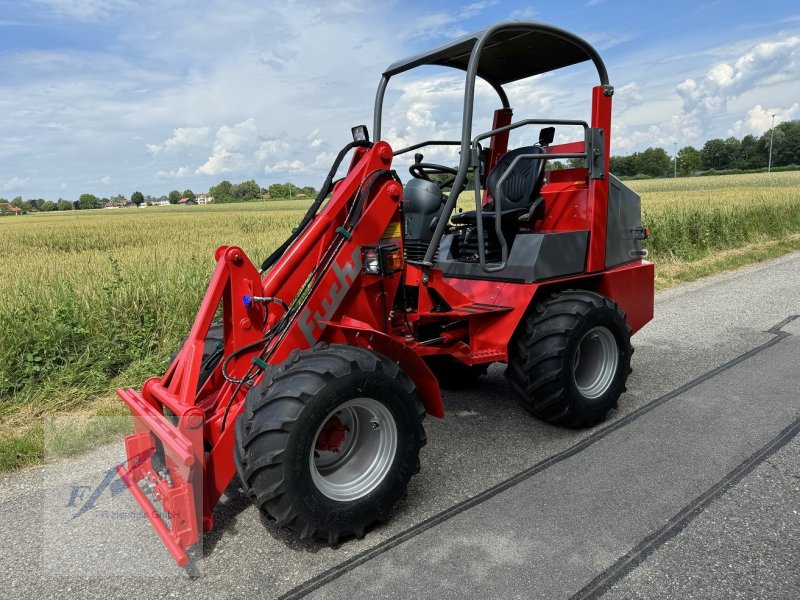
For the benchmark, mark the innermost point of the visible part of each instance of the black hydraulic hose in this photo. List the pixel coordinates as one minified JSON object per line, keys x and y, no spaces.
{"x":327,"y":186}
{"x":282,"y":326}
{"x":363,"y":194}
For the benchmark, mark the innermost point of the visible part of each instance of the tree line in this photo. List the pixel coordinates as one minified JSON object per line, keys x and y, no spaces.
{"x":223,"y":192}
{"x":731,"y":154}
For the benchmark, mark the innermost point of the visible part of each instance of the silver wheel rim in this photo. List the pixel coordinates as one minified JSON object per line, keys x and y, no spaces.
{"x":364,"y":456}
{"x":596,"y":361}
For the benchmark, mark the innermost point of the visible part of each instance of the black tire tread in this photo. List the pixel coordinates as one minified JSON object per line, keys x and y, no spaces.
{"x":293,"y":383}
{"x":536,"y":350}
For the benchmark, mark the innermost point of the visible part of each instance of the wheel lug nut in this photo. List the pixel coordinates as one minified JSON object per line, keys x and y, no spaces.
{"x":375,"y":423}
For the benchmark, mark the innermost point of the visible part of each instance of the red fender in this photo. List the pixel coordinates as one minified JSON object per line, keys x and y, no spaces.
{"x":356,"y":333}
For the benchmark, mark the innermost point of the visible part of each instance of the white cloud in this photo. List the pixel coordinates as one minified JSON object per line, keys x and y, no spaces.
{"x":759,"y":119}
{"x":700,"y":107}
{"x":231,"y":148}
{"x":149,"y":73}
{"x":14,"y":183}
{"x":314,"y":141}
{"x":178,"y":173}
{"x":286,"y":166}
{"x":182,"y":137}
{"x":199,"y":89}
{"x":609,"y":39}
{"x":523,"y":14}
{"x":243,"y":148}
{"x":446,"y":23}
{"x":763,"y":64}
{"x":269,"y":149}
{"x":86,"y":10}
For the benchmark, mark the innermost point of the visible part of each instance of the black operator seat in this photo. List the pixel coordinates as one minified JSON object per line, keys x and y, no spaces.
{"x":520,"y":189}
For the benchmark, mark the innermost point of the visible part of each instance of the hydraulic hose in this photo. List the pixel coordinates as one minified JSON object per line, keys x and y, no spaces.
{"x":326,"y":188}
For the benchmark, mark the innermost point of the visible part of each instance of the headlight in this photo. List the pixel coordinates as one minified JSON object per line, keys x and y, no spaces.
{"x":384,"y":259}
{"x":360,"y":133}
{"x":371,"y":261}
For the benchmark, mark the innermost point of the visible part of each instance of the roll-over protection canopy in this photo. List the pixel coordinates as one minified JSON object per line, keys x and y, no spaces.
{"x":512,"y":50}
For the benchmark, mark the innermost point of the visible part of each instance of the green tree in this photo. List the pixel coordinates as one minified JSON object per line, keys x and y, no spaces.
{"x":752,"y":153}
{"x":785,"y":144}
{"x":283,"y":190}
{"x":64,"y":204}
{"x":654,"y":162}
{"x":576,"y":163}
{"x":174,"y":196}
{"x":88,"y":201}
{"x":733,"y":150}
{"x":188,"y":194}
{"x":247,"y":190}
{"x":715,"y":155}
{"x":278,"y":190}
{"x":137,"y":198}
{"x":222,"y":192}
{"x":47,"y":206}
{"x":689,"y":160}
{"x":622,"y":166}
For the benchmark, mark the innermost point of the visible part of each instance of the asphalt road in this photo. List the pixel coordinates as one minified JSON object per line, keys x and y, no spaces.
{"x":690,"y":489}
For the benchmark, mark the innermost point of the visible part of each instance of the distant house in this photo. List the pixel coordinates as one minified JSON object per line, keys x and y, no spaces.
{"x":187,"y":202}
{"x":14,"y":210}
{"x":203,"y":198}
{"x":162,"y":201}
{"x":265,"y":196}
{"x":120,"y":203}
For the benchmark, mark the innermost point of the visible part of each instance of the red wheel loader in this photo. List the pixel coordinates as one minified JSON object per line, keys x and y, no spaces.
{"x":308,"y":377}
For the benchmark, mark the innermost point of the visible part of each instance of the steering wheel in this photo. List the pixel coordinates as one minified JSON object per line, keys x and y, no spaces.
{"x":422,"y":170}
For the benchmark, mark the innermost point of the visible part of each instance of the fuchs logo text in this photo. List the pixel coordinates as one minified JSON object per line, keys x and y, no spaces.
{"x":345,"y":276}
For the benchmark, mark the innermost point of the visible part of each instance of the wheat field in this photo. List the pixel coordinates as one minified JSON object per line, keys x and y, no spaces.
{"x":95,"y":299}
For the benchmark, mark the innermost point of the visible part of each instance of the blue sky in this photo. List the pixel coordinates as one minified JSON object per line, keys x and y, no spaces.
{"x":111,"y":96}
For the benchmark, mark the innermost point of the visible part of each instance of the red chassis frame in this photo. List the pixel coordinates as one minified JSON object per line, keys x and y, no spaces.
{"x":348,"y":306}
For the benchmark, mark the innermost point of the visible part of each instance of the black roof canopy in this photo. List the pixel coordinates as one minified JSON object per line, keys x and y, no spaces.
{"x":511,"y":51}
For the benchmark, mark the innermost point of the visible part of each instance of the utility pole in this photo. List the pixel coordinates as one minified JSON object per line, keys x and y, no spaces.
{"x":771,"y":135}
{"x":676,"y":159}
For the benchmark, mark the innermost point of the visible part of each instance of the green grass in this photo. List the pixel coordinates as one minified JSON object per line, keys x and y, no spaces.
{"x":97,"y":299}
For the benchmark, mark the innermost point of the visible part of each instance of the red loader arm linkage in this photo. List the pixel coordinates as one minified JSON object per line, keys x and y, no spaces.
{"x":187,"y":461}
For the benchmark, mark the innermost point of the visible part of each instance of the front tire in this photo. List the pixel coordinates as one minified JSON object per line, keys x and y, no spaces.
{"x":570,"y":358}
{"x":329,"y":440}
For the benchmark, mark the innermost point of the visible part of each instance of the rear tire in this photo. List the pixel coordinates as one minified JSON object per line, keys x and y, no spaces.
{"x":329,"y":440}
{"x":570,"y":357}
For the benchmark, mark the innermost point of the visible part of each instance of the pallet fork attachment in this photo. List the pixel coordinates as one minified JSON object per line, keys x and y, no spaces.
{"x":167,"y":452}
